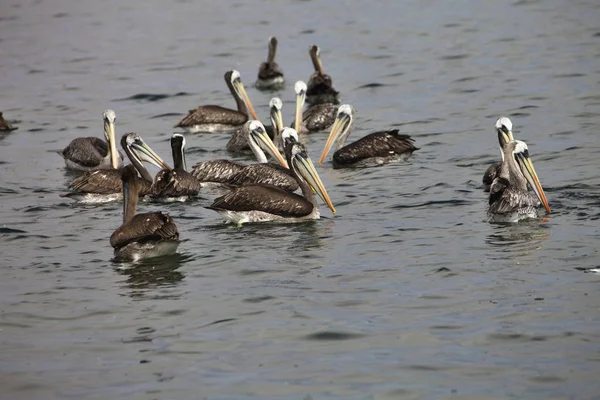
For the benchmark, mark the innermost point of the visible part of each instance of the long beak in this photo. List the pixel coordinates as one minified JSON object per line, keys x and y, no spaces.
{"x":276,"y":120}
{"x":531,"y":176}
{"x":305,"y":167}
{"x":239,"y":87}
{"x":300,"y":99}
{"x":145,"y":153}
{"x":339,"y":127}
{"x":265,"y":142}
{"x":109,"y":129}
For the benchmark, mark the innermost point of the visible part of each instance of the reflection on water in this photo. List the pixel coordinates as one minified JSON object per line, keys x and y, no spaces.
{"x":146,"y":275}
{"x":512,"y":241}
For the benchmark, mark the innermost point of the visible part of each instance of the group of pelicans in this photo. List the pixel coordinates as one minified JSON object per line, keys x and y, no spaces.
{"x":264,"y":191}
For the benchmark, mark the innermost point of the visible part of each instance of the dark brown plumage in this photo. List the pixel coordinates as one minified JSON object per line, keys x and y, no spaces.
{"x":268,"y":174}
{"x":320,"y":85}
{"x":270,"y":74}
{"x":489,"y":175}
{"x":143,"y":235}
{"x":319,"y":117}
{"x":264,"y":198}
{"x":212,"y":118}
{"x":175,"y":182}
{"x":373,"y":148}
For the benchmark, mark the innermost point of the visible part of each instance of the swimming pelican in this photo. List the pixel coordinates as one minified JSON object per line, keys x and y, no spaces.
{"x":105,"y":185}
{"x":503,"y":124}
{"x":509,"y":199}
{"x":6,"y":126}
{"x":146,"y":235}
{"x":90,"y":153}
{"x":270,"y":75}
{"x":230,"y":173}
{"x":264,"y":203}
{"x":176,"y":183}
{"x":318,"y":117}
{"x":212,"y":118}
{"x":264,"y":172}
{"x":320,"y":86}
{"x":376,"y":148}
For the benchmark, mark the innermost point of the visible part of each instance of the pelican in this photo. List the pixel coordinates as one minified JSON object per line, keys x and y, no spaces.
{"x":509,"y":199}
{"x":263,"y":172}
{"x":212,"y":118}
{"x":270,"y":75}
{"x":90,"y":153}
{"x":266,"y":203}
{"x":176,"y":183}
{"x":318,"y":117}
{"x":146,"y":235}
{"x":374,"y":149}
{"x":6,"y":126}
{"x":275,"y":106}
{"x":503,"y":124}
{"x":104,"y":185}
{"x":229,"y":173}
{"x":320,"y":86}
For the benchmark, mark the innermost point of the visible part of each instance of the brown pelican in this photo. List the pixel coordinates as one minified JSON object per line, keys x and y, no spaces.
{"x":146,"y":235}
{"x":176,"y":183}
{"x":6,"y":126}
{"x":374,"y":149}
{"x":212,"y":118}
{"x":104,"y":185}
{"x":320,"y":87}
{"x":503,"y":124}
{"x":509,"y":199}
{"x":275,"y":106}
{"x":318,"y":117}
{"x":264,"y":203}
{"x":228,"y":173}
{"x":90,"y":153}
{"x":270,"y":75}
{"x":264,"y":172}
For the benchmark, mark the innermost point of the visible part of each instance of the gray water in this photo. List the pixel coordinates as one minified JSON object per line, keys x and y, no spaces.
{"x":408,"y":292}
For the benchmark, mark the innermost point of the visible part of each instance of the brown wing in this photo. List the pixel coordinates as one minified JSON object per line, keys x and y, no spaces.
{"x":86,"y":151}
{"x":212,"y":115}
{"x":491,"y":173}
{"x":145,"y":227}
{"x":505,"y":199}
{"x":175,"y":183}
{"x":268,"y":174}
{"x":220,"y":171}
{"x":377,"y":144}
{"x":320,"y":84}
{"x":269,"y":70}
{"x":264,"y":198}
{"x":319,"y":117}
{"x":100,"y":181}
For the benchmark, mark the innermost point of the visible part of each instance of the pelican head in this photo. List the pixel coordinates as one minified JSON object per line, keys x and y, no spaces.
{"x":109,"y":118}
{"x":301,"y":163}
{"x":257,"y":136}
{"x":339,"y":130}
{"x":139,"y":151}
{"x":289,"y":135}
{"x":272,"y":49}
{"x":275,"y":106}
{"x":234,"y":78}
{"x":521,"y":153}
{"x":300,"y":89}
{"x":177,"y":148}
{"x":504,"y":129}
